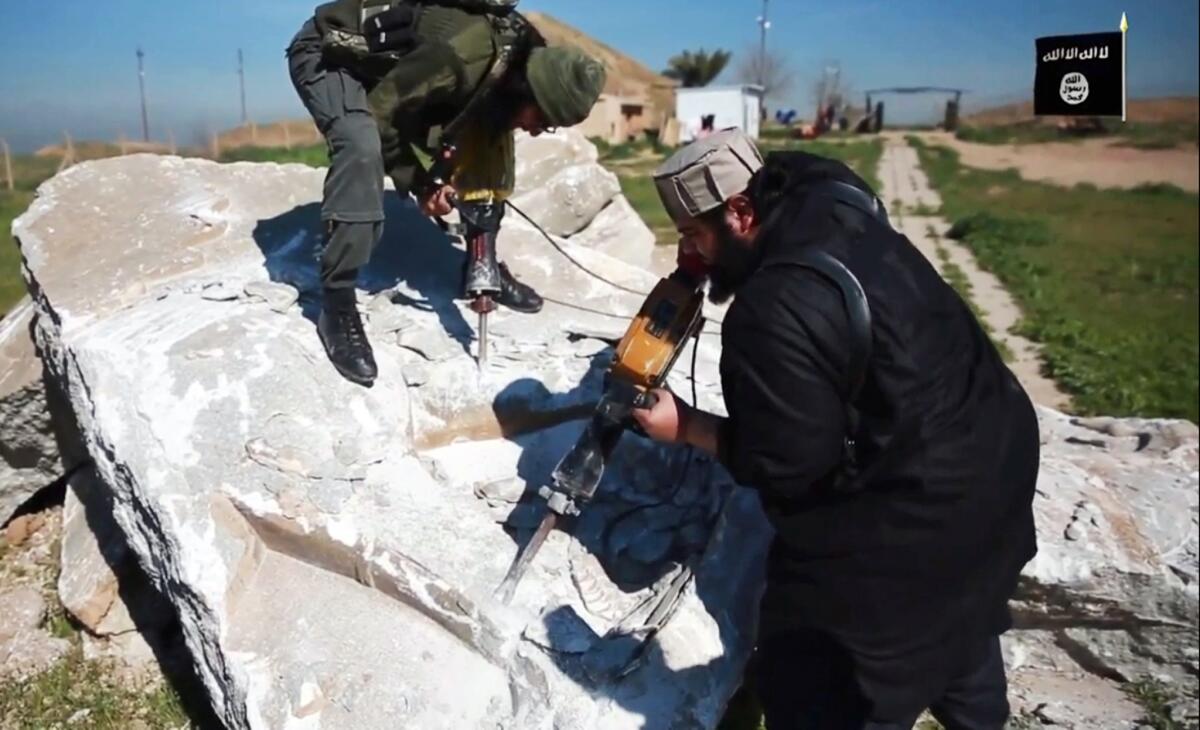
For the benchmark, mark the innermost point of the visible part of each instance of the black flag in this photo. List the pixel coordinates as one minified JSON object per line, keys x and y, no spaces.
{"x":1079,"y":75}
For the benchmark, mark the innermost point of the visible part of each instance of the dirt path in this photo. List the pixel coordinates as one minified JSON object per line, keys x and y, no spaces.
{"x":912,"y":205}
{"x":1094,"y":161}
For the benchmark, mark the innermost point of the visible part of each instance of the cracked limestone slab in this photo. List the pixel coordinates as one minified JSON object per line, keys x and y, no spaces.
{"x":1115,"y":577}
{"x":326,"y":572}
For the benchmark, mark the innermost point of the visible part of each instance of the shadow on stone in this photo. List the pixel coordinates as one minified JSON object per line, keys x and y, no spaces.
{"x":151,"y":614}
{"x":413,"y":254}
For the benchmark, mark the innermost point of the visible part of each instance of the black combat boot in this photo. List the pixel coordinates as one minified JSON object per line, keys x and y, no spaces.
{"x":515,"y":295}
{"x":341,"y":331}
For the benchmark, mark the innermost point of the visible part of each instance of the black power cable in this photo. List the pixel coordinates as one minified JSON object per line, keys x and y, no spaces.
{"x":558,"y":247}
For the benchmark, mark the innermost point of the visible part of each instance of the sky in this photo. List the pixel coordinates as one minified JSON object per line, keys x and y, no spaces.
{"x":70,"y":65}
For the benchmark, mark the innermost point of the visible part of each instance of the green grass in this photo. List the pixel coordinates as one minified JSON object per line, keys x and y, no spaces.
{"x":1143,"y":135}
{"x":923,"y":210}
{"x":1155,"y":698}
{"x":12,"y":286}
{"x":313,"y":155}
{"x":1106,"y":280}
{"x":956,"y":278}
{"x":1164,"y":135}
{"x":73,"y":684}
{"x":1023,"y":133}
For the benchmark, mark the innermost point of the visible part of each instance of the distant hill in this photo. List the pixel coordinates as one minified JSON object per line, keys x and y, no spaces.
{"x":626,"y":76}
{"x":1163,"y":109}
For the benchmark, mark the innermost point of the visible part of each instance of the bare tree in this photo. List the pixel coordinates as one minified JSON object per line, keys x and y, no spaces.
{"x":831,"y":88}
{"x":770,"y":70}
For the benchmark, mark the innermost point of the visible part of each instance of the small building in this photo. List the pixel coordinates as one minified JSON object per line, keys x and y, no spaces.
{"x":616,"y":119}
{"x":738,"y":106}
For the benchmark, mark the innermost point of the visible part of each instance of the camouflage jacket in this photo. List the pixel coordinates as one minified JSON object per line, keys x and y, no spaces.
{"x":427,"y":88}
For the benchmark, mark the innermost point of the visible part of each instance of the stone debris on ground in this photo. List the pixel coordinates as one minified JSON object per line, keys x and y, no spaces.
{"x":27,"y":645}
{"x":331,"y":552}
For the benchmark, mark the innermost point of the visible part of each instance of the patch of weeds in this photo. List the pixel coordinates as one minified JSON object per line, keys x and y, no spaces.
{"x":58,"y":623}
{"x":924,"y":211}
{"x":1024,"y":720}
{"x":1155,"y":698}
{"x":1020,"y":133}
{"x":75,"y":685}
{"x":957,"y":279}
{"x":12,"y":284}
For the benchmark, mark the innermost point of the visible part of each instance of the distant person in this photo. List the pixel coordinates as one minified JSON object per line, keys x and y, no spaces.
{"x":894,"y":453}
{"x":381,"y":98}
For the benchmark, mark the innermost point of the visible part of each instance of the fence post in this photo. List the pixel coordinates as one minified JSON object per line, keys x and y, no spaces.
{"x":171,"y":141}
{"x":287,"y":137}
{"x":7,"y":165}
{"x":68,"y":157}
{"x":216,"y":146}
{"x":253,"y":133}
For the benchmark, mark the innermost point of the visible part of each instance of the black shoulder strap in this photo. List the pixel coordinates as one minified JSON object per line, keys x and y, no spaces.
{"x":858,"y":312}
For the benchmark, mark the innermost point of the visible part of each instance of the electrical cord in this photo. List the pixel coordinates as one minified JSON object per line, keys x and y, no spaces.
{"x":571,"y":258}
{"x":558,"y":247}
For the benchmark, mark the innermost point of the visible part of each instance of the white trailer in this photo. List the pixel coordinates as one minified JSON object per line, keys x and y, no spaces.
{"x":732,"y":106}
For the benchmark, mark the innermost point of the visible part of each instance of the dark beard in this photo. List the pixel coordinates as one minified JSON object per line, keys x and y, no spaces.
{"x":732,"y":265}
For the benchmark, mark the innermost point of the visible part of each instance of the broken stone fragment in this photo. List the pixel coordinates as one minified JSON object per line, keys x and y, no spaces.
{"x":508,"y":490}
{"x":25,"y":648}
{"x":29,"y":454}
{"x":278,"y":296}
{"x":219,"y":291}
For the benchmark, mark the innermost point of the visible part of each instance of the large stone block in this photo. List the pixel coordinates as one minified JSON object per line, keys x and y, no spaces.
{"x":570,"y":199}
{"x":332,"y":551}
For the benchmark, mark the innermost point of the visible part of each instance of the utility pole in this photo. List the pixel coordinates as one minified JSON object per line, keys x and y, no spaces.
{"x":242,"y":83}
{"x":763,"y":24}
{"x":7,"y":164}
{"x":142,"y":87}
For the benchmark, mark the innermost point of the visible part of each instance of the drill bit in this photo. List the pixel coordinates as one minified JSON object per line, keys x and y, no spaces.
{"x":483,"y":305}
{"x":508,"y":586}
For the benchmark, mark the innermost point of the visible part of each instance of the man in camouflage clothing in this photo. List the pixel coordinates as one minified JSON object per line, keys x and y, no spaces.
{"x":383,"y":100}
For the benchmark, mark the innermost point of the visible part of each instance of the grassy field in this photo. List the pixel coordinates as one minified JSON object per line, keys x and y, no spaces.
{"x":314,"y":155}
{"x":28,"y":172}
{"x":1142,"y":135}
{"x":1106,"y":279}
{"x":80,"y":693}
{"x":12,"y":286}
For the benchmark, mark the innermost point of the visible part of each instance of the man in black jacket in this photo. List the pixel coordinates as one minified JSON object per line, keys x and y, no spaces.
{"x":894,"y":452}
